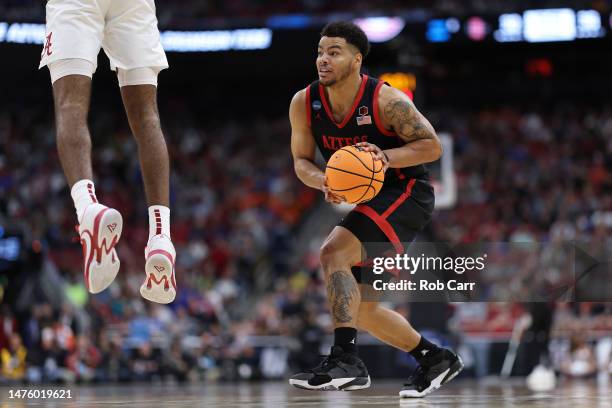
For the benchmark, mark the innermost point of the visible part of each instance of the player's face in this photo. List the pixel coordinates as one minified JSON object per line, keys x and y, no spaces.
{"x":336,"y":60}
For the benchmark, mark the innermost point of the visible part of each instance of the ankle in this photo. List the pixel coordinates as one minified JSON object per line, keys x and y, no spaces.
{"x":159,"y":221}
{"x":346,"y":338}
{"x":424,"y":349}
{"x":83,"y":193}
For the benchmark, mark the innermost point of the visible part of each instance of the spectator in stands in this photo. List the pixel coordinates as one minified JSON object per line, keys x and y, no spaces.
{"x":8,"y":326}
{"x":13,"y":359}
{"x":145,"y":362}
{"x":176,"y":363}
{"x":115,"y":365}
{"x":84,"y":360}
{"x":53,"y":358}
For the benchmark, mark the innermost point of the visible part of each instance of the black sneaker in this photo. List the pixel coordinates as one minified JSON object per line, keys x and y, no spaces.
{"x":339,"y":371}
{"x":433,"y":372}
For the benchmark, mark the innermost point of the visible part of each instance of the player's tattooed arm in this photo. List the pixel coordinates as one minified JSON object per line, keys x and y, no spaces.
{"x":399,"y":114}
{"x":344,"y":297}
{"x":407,"y":122}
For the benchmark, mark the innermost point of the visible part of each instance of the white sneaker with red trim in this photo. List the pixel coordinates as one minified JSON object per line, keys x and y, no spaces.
{"x":99,"y":232}
{"x":159,"y":285}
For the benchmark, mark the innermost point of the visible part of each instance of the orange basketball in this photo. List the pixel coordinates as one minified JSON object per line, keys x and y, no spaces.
{"x":354,"y":174}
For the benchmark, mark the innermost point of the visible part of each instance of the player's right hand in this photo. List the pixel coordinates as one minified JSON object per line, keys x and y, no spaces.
{"x":330,"y":196}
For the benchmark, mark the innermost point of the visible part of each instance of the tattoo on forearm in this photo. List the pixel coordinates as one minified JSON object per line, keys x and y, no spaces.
{"x":406,"y":121}
{"x":342,"y":292}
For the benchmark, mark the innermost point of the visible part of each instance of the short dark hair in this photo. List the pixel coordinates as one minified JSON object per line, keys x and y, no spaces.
{"x":351,"y":32}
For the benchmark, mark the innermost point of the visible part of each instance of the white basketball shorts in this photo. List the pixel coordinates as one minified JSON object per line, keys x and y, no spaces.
{"x":125,"y":29}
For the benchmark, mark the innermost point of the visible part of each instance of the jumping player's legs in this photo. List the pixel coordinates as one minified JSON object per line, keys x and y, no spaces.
{"x":99,"y":227}
{"x":73,"y":38}
{"x":140,"y":101}
{"x":133,"y":46}
{"x":71,"y":95}
{"x":72,"y":42}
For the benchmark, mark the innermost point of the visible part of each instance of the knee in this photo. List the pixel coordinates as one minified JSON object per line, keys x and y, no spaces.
{"x":71,"y":113}
{"x":146,"y":124}
{"x":71,"y":125}
{"x":141,"y":107}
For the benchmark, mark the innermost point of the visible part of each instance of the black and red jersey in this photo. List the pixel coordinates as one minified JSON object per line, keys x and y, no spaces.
{"x":361,"y":124}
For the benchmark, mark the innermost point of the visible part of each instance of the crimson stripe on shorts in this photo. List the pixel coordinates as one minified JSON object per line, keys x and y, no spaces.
{"x":383,"y":224}
{"x":405,"y":195}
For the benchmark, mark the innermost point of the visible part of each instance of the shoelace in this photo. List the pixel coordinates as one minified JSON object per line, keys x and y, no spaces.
{"x":327,"y":361}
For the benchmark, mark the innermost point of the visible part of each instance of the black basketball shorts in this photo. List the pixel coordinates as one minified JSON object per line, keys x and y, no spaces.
{"x":394,"y":217}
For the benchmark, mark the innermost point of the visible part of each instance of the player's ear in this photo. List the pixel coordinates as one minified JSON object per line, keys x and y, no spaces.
{"x":358,"y":58}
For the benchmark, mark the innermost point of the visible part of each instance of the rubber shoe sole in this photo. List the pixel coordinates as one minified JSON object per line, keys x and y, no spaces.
{"x":337,"y":384}
{"x":159,"y":285}
{"x":437,"y":382}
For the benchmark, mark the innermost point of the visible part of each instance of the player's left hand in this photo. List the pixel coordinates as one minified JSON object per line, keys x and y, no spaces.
{"x":376,"y":152}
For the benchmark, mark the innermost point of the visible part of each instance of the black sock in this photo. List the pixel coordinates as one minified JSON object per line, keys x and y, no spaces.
{"x":346,"y":337}
{"x":423,"y":349}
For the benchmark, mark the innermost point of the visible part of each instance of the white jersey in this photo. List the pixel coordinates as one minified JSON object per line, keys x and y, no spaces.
{"x":125,"y":29}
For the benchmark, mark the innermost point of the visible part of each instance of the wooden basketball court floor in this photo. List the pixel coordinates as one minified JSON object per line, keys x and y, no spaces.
{"x":459,"y":393}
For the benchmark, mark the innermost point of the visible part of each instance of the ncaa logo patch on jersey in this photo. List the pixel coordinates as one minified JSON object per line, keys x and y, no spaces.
{"x":316,"y":105}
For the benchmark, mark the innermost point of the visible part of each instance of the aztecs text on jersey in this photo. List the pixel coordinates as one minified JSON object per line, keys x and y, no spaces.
{"x":361,"y":124}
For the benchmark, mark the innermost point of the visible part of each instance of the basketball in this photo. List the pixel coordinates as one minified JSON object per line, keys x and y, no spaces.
{"x":354,"y":174}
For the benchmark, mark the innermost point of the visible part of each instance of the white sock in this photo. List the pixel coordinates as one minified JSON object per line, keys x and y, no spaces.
{"x":83,"y":193}
{"x":159,"y":220}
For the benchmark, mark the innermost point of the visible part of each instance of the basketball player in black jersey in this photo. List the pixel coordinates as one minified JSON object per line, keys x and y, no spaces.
{"x":346,"y":108}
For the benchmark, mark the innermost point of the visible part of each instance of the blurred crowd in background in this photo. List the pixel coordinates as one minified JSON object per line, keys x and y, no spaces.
{"x":237,"y":213}
{"x":172,"y":13}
